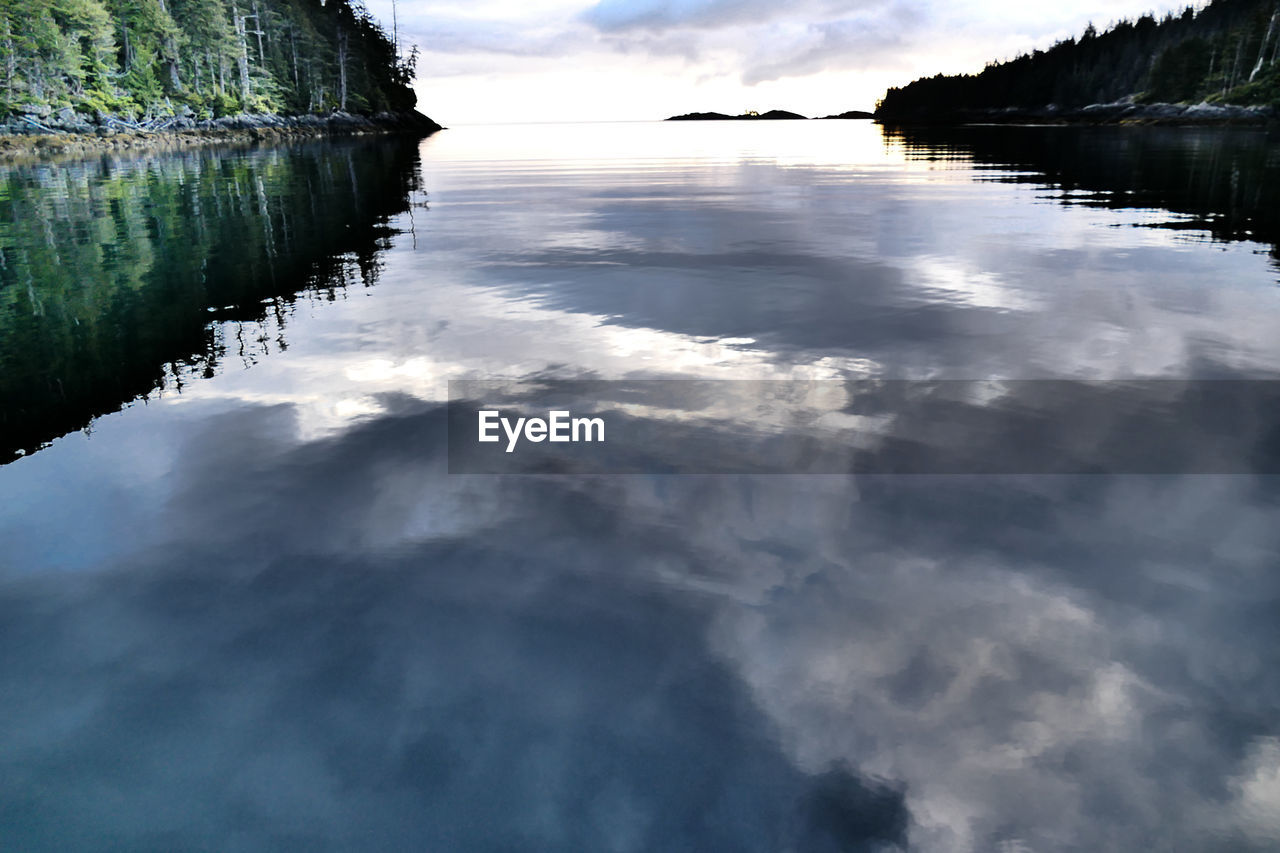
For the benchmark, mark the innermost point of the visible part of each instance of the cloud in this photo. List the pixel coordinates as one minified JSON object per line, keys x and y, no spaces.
{"x":835,"y":45}
{"x":463,"y":36}
{"x":762,"y":41}
{"x":657,"y":15}
{"x":755,"y":41}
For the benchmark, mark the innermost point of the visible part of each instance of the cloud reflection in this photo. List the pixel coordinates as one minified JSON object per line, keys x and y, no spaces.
{"x":306,"y":683}
{"x":333,"y":641}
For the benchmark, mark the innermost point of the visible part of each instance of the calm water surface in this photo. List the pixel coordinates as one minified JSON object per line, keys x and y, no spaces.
{"x":251,"y":610}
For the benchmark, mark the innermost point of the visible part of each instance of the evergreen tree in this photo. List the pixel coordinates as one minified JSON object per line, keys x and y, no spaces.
{"x":1224,"y":53}
{"x":148,"y":58}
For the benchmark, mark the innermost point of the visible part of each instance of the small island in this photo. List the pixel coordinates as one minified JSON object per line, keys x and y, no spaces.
{"x":771,"y":115}
{"x":750,"y":115}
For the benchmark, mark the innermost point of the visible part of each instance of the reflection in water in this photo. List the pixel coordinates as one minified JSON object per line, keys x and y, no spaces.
{"x":111,"y":270}
{"x":261,"y":615}
{"x":1223,"y":182}
{"x":868,"y":426}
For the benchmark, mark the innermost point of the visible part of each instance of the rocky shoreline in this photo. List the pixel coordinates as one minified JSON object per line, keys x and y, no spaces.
{"x":69,"y":133}
{"x":1120,"y":112}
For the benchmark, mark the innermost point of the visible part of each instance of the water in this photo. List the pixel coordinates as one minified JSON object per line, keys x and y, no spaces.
{"x":244,"y":605}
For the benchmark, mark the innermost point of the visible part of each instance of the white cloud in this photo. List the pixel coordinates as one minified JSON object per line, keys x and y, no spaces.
{"x":566,"y":60}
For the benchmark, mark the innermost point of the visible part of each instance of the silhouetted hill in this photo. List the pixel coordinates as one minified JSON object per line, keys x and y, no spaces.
{"x":769,"y":116}
{"x":1225,"y":54}
{"x":853,"y":114}
{"x":702,"y":117}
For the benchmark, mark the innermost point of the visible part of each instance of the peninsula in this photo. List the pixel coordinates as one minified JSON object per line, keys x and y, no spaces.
{"x":95,"y":73}
{"x":1215,"y":65}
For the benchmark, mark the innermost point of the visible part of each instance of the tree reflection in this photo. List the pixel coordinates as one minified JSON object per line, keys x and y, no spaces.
{"x":111,"y":271}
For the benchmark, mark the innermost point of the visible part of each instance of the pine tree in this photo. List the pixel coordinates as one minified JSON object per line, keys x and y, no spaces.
{"x":1225,"y":52}
{"x":212,"y":57}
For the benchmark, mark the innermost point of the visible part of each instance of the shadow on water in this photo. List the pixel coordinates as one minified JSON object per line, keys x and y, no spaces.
{"x":1225,"y":182}
{"x":111,"y":270}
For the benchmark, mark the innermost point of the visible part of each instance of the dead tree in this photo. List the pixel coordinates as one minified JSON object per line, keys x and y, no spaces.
{"x":1262,"y":51}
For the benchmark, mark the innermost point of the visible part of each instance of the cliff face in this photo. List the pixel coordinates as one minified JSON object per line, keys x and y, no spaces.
{"x":63,"y":61}
{"x":1224,"y":54}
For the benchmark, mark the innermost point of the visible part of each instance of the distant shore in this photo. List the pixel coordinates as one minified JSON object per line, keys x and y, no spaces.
{"x":771,"y":115}
{"x":30,"y":137}
{"x":1121,"y":113}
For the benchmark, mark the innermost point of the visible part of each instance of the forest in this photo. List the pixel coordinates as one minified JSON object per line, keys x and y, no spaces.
{"x":1224,"y":53}
{"x":144,"y":59}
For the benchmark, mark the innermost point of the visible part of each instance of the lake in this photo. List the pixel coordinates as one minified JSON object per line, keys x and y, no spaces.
{"x":937,"y":507}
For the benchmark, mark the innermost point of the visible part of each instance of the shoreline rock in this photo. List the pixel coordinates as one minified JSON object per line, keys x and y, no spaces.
{"x":68,"y":133}
{"x":1124,"y":112}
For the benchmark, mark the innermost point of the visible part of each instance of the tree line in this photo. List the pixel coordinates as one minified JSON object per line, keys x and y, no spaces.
{"x":1223,"y":53}
{"x":208,"y":58}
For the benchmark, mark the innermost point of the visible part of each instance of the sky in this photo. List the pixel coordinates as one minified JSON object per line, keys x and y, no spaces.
{"x":497,"y":61}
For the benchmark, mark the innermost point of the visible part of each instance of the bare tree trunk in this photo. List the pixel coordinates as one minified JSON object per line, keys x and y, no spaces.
{"x":172,"y":55}
{"x":128,"y":51}
{"x":293,"y":47}
{"x":10,"y":62}
{"x":1262,"y":51}
{"x":242,"y":57}
{"x":171,"y":62}
{"x":342,"y":68}
{"x":1275,"y":50}
{"x":1235,"y":66}
{"x":257,"y":20}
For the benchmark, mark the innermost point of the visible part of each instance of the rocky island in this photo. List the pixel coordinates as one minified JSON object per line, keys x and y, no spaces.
{"x":750,"y":115}
{"x":771,"y":115}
